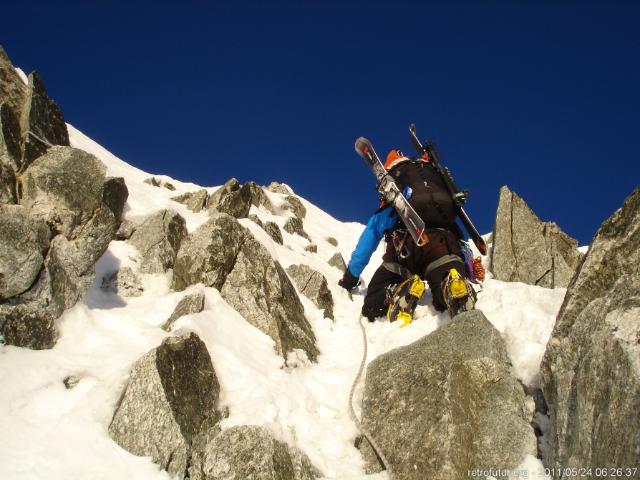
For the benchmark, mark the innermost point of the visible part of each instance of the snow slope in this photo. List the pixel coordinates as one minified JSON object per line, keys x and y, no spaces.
{"x":52,"y":432}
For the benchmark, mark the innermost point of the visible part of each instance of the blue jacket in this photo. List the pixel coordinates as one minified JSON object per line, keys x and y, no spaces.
{"x":380,"y":222}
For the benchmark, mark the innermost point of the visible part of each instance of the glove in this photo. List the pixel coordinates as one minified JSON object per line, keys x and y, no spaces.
{"x":348,"y":281}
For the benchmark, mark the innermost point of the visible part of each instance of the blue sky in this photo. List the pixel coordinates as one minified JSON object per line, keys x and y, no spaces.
{"x":540,"y":96}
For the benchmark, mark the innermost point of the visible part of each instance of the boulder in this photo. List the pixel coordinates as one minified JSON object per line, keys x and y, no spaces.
{"x":295,"y":205}
{"x":528,"y":250}
{"x":195,"y":201}
{"x":260,"y":290}
{"x":231,"y":198}
{"x":590,"y":372}
{"x":27,"y":327}
{"x":247,"y":452}
{"x":208,"y":254}
{"x":64,"y":188}
{"x":338,"y":261}
{"x":12,"y":89}
{"x":224,"y":255}
{"x":293,"y":225}
{"x":24,"y":241}
{"x":124,"y":282}
{"x":448,"y":403}
{"x":114,"y":196}
{"x":273,"y":230}
{"x":332,"y":241}
{"x":190,"y":304}
{"x":170,"y":397}
{"x":41,"y":122}
{"x":158,"y":239}
{"x":311,"y":248}
{"x":313,"y":285}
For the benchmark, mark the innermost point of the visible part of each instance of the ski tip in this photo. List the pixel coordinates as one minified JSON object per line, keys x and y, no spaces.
{"x":361,"y":145}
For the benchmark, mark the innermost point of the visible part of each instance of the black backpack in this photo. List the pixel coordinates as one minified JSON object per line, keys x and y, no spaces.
{"x":429,"y":195}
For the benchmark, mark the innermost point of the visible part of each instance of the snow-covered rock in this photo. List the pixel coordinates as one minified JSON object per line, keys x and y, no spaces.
{"x":170,"y":397}
{"x":225,"y":255}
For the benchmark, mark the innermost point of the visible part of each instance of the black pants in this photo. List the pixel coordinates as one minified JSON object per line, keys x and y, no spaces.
{"x":441,"y":243}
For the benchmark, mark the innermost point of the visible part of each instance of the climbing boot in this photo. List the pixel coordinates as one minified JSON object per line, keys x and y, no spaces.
{"x":458,"y":294}
{"x":403,"y":300}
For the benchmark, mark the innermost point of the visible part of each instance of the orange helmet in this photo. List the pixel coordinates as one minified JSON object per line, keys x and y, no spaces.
{"x":392,"y":157}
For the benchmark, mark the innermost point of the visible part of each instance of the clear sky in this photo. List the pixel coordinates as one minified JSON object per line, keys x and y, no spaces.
{"x":540,"y":96}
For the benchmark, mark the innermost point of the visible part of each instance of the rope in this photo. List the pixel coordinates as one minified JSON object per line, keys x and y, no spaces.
{"x":42,"y":140}
{"x":352,"y":412}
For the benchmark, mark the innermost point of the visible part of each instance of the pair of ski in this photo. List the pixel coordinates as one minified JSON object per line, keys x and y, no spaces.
{"x":389,"y":190}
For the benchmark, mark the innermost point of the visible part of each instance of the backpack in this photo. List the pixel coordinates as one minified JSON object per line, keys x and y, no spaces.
{"x":428,"y":194}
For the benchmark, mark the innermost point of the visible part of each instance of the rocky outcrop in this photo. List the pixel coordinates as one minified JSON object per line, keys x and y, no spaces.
{"x":193,"y":303}
{"x":158,"y":240}
{"x":158,"y":182}
{"x":338,"y":261}
{"x":313,"y":285}
{"x":12,"y":89}
{"x":528,"y":250}
{"x":10,"y":154}
{"x":224,"y":255}
{"x":169,"y":399}
{"x":195,"y":201}
{"x":273,"y":230}
{"x":448,"y":403}
{"x":232,"y":198}
{"x":295,"y":205}
{"x":124,"y":283}
{"x":63,"y":189}
{"x":41,"y":122}
{"x":311,"y":248}
{"x":281,"y":188}
{"x":259,"y":198}
{"x":247,"y":452}
{"x":591,"y":369}
{"x":293,"y":225}
{"x":332,"y":241}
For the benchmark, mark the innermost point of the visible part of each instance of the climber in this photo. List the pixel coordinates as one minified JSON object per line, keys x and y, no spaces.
{"x":397,"y":285}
